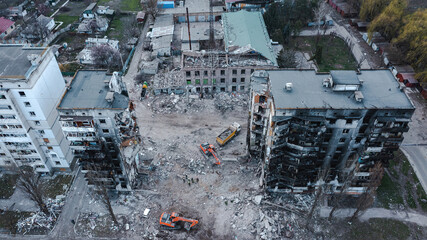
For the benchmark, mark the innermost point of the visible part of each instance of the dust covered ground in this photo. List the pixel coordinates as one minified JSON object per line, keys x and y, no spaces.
{"x":177,"y":177}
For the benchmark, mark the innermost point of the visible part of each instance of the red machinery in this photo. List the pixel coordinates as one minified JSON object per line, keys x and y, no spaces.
{"x":210,"y":149}
{"x":174,"y":221}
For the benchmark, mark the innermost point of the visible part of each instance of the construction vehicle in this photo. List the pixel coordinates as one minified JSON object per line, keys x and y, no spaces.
{"x":228,"y":134}
{"x":209,"y":149}
{"x":174,"y":221}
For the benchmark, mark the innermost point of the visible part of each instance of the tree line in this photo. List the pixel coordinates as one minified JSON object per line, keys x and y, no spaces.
{"x":405,"y":30}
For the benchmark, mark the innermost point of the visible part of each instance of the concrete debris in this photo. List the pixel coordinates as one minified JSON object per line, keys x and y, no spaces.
{"x":146,"y":212}
{"x":257,"y":199}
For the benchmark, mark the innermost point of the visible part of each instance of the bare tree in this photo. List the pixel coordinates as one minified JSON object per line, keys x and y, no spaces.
{"x":320,"y":15}
{"x":93,"y":26}
{"x":99,"y":179}
{"x":43,"y":9}
{"x":106,"y":56}
{"x":287,"y":59}
{"x":152,"y":9}
{"x":29,"y":182}
{"x":131,"y":29}
{"x":322,"y":177}
{"x":346,"y":183}
{"x":367,"y":198}
{"x":37,"y":30}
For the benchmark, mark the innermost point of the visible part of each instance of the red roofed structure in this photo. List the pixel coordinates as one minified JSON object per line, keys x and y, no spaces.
{"x":6,"y":27}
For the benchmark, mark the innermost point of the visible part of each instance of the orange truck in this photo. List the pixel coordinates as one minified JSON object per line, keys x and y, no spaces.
{"x":228,"y":134}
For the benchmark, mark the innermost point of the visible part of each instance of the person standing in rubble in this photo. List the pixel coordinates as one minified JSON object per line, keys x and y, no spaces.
{"x":144,"y":90}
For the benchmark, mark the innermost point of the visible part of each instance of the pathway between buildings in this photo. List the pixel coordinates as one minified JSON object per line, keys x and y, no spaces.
{"x":132,"y":71}
{"x":407,"y":216}
{"x":64,"y":229}
{"x":53,"y":14}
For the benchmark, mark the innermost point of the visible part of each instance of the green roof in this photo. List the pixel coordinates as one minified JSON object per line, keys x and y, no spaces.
{"x":247,"y":30}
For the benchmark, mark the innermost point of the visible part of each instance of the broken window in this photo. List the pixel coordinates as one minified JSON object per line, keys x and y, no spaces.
{"x":242,"y":79}
{"x":222,"y":89}
{"x":345,"y":130}
{"x":213,"y":81}
{"x":222,"y":72}
{"x":188,"y":81}
{"x":205,"y":81}
{"x":105,"y":130}
{"x":243,"y":71}
{"x":213,"y":73}
{"x":349,"y":121}
{"x":234,"y":80}
{"x":27,"y":104}
{"x":196,"y":73}
{"x":332,"y":121}
{"x":22,"y":94}
{"x":222,"y":80}
{"x":102,"y":121}
{"x":32,"y":114}
{"x":358,"y":139}
{"x":205,"y":73}
{"x":37,"y":123}
{"x":252,"y":71}
{"x":242,"y":88}
{"x":197,"y":81}
{"x":233,"y":88}
{"x":234,"y":71}
{"x":188,"y":74}
{"x":342,"y":140}
{"x":57,"y":163}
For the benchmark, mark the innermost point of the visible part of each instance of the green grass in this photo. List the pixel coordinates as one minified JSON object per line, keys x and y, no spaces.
{"x":130,"y":5}
{"x":388,"y":192}
{"x":335,"y":54}
{"x":66,"y":19}
{"x":410,"y":199}
{"x":54,"y":187}
{"x":8,"y":220}
{"x":378,"y":229}
{"x":101,"y":2}
{"x":421,"y":193}
{"x":7,"y":186}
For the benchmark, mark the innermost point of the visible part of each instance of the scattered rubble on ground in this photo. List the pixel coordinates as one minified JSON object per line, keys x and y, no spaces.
{"x":39,"y":221}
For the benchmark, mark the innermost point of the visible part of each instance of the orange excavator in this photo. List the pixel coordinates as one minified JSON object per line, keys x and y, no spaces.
{"x":210,"y":149}
{"x":174,"y":221}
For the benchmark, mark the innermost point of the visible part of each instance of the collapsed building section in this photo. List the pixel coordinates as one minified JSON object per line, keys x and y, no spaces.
{"x":303,"y":123}
{"x":244,"y":48}
{"x":97,"y":119}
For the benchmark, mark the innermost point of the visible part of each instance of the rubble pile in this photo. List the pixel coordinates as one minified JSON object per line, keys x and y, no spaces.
{"x":228,"y":101}
{"x":175,"y":104}
{"x":168,"y":79}
{"x":38,"y":220}
{"x":41,"y":221}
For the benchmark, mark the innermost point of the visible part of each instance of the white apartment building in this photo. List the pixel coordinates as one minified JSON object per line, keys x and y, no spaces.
{"x":31,"y":86}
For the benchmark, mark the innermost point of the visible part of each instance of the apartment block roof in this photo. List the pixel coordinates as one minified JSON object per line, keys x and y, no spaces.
{"x":380,"y":90}
{"x":246,"y":31}
{"x":15,"y":62}
{"x":89,"y":90}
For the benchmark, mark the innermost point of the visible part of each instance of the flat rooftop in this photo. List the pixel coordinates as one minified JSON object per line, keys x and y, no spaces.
{"x":379,"y":89}
{"x":88,"y":91}
{"x":199,"y":31}
{"x":14,"y":61}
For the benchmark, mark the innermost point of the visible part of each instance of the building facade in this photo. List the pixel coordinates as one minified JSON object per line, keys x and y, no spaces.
{"x":303,"y":123}
{"x":96,"y":120}
{"x":31,"y":86}
{"x":245,"y":48}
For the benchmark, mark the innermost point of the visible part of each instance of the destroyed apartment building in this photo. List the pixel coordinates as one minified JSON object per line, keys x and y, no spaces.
{"x":226,"y":64}
{"x":303,"y":123}
{"x":96,"y":117}
{"x":31,"y":85}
